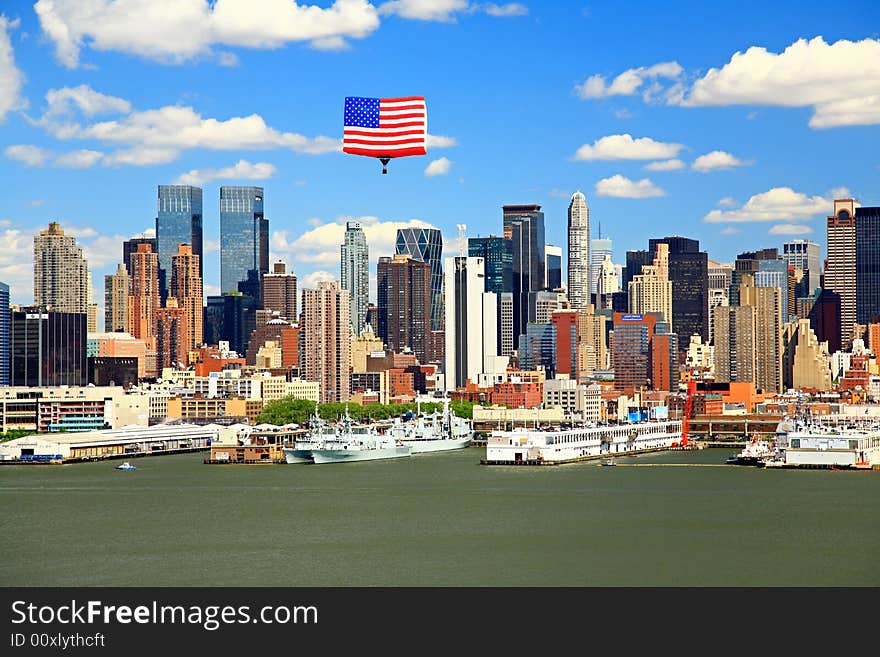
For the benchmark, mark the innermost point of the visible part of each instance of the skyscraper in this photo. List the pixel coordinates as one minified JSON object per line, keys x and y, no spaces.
{"x":355,"y":270}
{"x":4,"y":334}
{"x":426,"y":244}
{"x":172,"y":335}
{"x":471,"y":322}
{"x":524,"y":226}
{"x":326,"y":346}
{"x":179,"y":221}
{"x":689,"y":275}
{"x":579,"y":265}
{"x":497,"y":255}
{"x":767,"y":302}
{"x":840,"y":270}
{"x":61,"y":274}
{"x":553,"y":266}
{"x":279,"y":292}
{"x":403,"y":288}
{"x":131,"y":246}
{"x":48,"y":348}
{"x":804,"y":255}
{"x":143,"y":298}
{"x":116,"y":289}
{"x":244,"y":240}
{"x":186,"y":287}
{"x":651,"y":290}
{"x":867,"y":264}
{"x":734,"y":341}
{"x":631,"y":350}
{"x":599,"y":248}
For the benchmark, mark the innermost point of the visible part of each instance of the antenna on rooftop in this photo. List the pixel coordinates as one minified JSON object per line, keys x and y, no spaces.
{"x":462,"y":239}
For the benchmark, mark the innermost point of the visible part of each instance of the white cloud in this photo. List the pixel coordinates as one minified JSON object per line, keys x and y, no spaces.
{"x":790,"y":229}
{"x":628,"y":82}
{"x":622,"y":187}
{"x":665,"y":165}
{"x":149,"y":232}
{"x":11,"y":78}
{"x":727,"y":202}
{"x":841,"y":81}
{"x":32,"y":156}
{"x":424,"y":10}
{"x":730,"y":230}
{"x":439,"y":167}
{"x":312,"y":279}
{"x":82,"y":159}
{"x":777,"y":204}
{"x":16,"y":267}
{"x":174,"y":31}
{"x":502,"y":11}
{"x":241,"y":170}
{"x":159,"y":136}
{"x":624,"y":147}
{"x":716,"y":160}
{"x":439,"y":141}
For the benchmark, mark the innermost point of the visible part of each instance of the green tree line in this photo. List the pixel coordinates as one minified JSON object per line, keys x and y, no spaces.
{"x":287,"y":410}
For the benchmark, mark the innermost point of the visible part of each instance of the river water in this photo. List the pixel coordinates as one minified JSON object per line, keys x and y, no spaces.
{"x":664,"y":519}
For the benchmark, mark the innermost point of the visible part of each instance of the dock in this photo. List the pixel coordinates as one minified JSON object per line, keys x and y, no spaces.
{"x":581,"y":459}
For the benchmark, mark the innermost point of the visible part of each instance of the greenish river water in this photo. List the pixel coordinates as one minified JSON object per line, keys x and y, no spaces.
{"x":438,"y":520}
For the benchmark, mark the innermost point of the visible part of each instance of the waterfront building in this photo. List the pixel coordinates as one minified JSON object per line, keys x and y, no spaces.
{"x":325,"y":340}
{"x":631,"y":350}
{"x":404,"y":296}
{"x":600,"y":249}
{"x":116,"y":289}
{"x":524,"y":226}
{"x":471,"y":322}
{"x":279,"y":292}
{"x":5,"y":329}
{"x":867,"y":237}
{"x":143,"y":298}
{"x":426,"y":245}
{"x":355,"y":272}
{"x":553,"y":267}
{"x":186,"y":288}
{"x":178,"y":221}
{"x":840,"y":267}
{"x":47,"y":348}
{"x":244,"y":240}
{"x":61,"y":273}
{"x":579,"y":263}
{"x":651,"y":290}
{"x":688,"y":271}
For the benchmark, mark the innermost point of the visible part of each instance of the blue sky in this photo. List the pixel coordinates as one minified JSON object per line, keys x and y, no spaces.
{"x":527,"y":102}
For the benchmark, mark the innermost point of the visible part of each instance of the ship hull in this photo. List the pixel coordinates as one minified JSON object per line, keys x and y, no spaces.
{"x":436,"y":445}
{"x":298,"y":456}
{"x":321,"y":456}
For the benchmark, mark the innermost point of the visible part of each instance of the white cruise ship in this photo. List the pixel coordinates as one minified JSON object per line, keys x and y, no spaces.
{"x":437,"y":432}
{"x":535,"y":447}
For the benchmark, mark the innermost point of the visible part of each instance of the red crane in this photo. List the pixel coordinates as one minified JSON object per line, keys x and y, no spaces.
{"x":688,"y":409}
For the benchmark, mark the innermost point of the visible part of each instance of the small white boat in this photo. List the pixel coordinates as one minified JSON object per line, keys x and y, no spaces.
{"x":609,"y":462}
{"x":125,"y":466}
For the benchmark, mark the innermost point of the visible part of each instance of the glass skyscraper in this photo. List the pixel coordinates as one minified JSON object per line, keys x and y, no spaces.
{"x":179,"y":221}
{"x":867,"y":264}
{"x":355,"y":271}
{"x":426,"y":244}
{"x":524,"y":226}
{"x":497,"y":255}
{"x":48,"y":348}
{"x":244,"y":239}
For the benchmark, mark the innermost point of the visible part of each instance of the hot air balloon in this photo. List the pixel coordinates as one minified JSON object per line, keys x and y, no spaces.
{"x":385,"y":128}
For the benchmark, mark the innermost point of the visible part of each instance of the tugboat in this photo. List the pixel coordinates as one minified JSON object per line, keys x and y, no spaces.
{"x":125,"y":466}
{"x":757,"y":452}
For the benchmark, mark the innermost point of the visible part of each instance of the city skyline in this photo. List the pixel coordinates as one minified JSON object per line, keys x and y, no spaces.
{"x":696,"y":157}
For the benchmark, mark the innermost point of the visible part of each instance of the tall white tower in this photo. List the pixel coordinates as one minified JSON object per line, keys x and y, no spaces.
{"x":578,"y":252}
